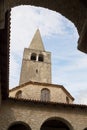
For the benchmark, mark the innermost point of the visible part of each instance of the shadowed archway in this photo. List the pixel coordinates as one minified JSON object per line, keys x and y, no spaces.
{"x":19,"y":126}
{"x":56,"y":124}
{"x":85,"y":129}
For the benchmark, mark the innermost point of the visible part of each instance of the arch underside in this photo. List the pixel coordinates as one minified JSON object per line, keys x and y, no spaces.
{"x":73,"y":10}
{"x":76,"y":11}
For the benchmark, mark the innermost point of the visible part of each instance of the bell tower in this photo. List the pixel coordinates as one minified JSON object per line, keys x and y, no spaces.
{"x":36,"y":63}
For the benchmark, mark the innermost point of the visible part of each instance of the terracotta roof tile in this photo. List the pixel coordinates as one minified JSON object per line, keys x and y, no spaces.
{"x":81,"y":106}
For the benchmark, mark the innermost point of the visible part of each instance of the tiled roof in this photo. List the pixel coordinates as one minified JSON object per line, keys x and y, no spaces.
{"x":81,"y":106}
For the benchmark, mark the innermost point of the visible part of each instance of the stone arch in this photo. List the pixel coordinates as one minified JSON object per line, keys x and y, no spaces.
{"x":43,"y":5}
{"x":45,"y":94}
{"x":55,"y":123}
{"x":57,"y":6}
{"x":19,"y":125}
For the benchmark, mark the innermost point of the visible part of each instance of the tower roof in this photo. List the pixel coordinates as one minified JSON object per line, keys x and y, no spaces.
{"x":36,"y":42}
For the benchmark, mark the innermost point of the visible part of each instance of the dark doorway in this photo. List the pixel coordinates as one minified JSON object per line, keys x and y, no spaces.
{"x":54,"y":124}
{"x":19,"y":126}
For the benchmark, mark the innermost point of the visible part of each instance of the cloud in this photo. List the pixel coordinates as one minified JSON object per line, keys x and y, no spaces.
{"x":14,"y":70}
{"x":27,"y":19}
{"x":82,"y":96}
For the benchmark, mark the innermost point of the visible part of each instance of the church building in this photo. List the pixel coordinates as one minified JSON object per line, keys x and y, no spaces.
{"x":36,"y":103}
{"x":35,"y":77}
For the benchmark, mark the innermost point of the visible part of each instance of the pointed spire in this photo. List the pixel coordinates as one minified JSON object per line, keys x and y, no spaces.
{"x":36,"y":42}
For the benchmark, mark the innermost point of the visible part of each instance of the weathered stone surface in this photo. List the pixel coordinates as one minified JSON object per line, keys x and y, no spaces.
{"x":35,"y":115}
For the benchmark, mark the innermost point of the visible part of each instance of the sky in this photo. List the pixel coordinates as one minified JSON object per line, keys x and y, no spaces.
{"x":60,"y":37}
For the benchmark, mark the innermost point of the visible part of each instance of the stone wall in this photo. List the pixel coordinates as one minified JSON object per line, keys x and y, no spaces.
{"x":36,"y":114}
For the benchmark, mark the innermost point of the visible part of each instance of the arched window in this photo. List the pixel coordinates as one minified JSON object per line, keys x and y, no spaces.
{"x":45,"y":94}
{"x":40,"y":58}
{"x":18,"y":94}
{"x":33,"y":56}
